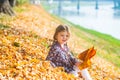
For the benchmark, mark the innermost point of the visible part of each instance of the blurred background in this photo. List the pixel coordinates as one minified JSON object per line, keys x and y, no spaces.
{"x":99,"y":15}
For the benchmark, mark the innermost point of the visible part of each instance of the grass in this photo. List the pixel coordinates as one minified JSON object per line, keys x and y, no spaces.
{"x":4,"y":17}
{"x":4,"y":26}
{"x":110,"y":46}
{"x":107,"y":37}
{"x":21,"y":2}
{"x":20,"y":8}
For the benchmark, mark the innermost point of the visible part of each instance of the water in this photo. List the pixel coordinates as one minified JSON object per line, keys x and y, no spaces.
{"x":105,"y":19}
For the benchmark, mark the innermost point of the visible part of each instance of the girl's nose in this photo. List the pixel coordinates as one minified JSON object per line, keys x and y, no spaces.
{"x":65,"y":37}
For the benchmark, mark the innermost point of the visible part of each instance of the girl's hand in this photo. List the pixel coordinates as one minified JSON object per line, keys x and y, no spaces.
{"x":77,"y":63}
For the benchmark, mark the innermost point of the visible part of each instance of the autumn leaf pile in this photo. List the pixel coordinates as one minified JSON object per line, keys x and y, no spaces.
{"x":24,"y":44}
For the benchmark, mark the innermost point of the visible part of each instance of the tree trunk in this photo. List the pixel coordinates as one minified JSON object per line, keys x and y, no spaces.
{"x":5,"y":7}
{"x":12,"y":3}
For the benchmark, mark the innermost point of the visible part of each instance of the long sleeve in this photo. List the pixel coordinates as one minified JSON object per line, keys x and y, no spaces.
{"x":73,"y":59}
{"x":56,"y":56}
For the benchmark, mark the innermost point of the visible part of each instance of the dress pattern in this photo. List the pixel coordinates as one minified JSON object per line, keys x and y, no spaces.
{"x":60,"y":57}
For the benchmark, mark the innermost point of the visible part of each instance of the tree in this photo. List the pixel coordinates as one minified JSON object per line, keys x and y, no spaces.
{"x":6,"y":6}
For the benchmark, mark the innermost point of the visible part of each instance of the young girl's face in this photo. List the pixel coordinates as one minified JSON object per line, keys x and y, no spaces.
{"x":62,"y":37}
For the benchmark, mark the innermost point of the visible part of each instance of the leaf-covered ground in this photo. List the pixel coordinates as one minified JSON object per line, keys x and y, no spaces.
{"x":24,"y":44}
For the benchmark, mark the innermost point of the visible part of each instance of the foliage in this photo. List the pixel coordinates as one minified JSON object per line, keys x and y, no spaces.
{"x":33,"y":34}
{"x":3,"y":26}
{"x":4,"y":17}
{"x":16,"y":44}
{"x":85,"y":57}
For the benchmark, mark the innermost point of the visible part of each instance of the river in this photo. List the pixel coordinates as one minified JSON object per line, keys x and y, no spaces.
{"x":105,"y":19}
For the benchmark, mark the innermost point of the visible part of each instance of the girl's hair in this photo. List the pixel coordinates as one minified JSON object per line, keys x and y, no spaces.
{"x":61,"y":28}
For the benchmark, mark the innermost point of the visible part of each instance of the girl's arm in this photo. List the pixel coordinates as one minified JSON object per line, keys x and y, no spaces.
{"x":73,"y":59}
{"x":56,"y":58}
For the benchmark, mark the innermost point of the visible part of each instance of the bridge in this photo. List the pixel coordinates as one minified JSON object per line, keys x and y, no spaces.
{"x":116,"y":3}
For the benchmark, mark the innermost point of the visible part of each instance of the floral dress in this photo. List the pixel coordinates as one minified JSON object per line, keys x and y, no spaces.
{"x":60,"y":57}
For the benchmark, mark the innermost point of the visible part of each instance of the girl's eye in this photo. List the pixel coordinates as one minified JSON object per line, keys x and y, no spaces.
{"x":66,"y":35}
{"x":62,"y":35}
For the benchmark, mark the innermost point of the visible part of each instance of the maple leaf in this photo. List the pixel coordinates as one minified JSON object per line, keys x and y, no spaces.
{"x":85,"y":56}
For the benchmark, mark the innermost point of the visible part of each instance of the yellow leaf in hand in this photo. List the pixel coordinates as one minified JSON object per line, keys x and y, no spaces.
{"x":85,"y":56}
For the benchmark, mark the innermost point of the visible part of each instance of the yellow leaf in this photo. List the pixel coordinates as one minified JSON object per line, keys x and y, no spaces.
{"x":85,"y":56}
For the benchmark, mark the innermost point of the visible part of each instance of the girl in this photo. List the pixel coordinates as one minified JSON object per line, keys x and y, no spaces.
{"x":60,"y":56}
